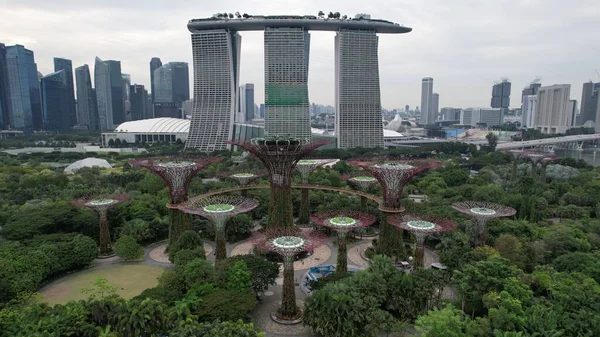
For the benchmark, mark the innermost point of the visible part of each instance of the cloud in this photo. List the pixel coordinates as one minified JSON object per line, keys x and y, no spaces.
{"x":465,"y":45}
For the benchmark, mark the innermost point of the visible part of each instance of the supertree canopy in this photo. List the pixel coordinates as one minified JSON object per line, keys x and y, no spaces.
{"x":544,"y":162}
{"x":516,"y":154}
{"x":177,"y":172}
{"x":482,"y":212}
{"x":219,"y":209}
{"x":421,"y":226}
{"x":535,"y":158}
{"x":393,"y":176}
{"x":243,"y":178}
{"x":343,"y":221}
{"x":362,"y":182}
{"x":279,"y":156}
{"x":101,"y":204}
{"x":305,"y":167}
{"x":288,"y":242}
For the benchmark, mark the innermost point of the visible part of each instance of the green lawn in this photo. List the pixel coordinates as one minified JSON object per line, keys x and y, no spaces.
{"x":130,"y":281}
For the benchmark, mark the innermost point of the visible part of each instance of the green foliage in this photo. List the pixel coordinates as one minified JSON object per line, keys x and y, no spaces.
{"x":448,"y":322}
{"x":216,"y":329}
{"x":138,"y":229}
{"x":511,"y":248}
{"x":183,"y":256}
{"x":324,"y":281}
{"x":100,"y":290}
{"x":128,"y":249}
{"x":226,"y":305}
{"x":262,"y":271}
{"x":586,"y":263}
{"x":198,"y":271}
{"x":187,"y":240}
{"x":238,"y":277}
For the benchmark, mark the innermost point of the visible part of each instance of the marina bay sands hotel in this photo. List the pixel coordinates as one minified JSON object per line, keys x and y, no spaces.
{"x":216,"y":46}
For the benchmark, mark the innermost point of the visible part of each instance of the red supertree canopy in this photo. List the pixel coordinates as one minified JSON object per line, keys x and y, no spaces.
{"x":102,"y":202}
{"x":536,"y":157}
{"x":219,"y":208}
{"x":422,"y":225}
{"x":288,"y":241}
{"x":306,"y":166}
{"x":516,"y":154}
{"x":360,"y":180}
{"x":481,"y":212}
{"x":177,"y":172}
{"x":242,"y":178}
{"x":393,"y":175}
{"x":343,"y":220}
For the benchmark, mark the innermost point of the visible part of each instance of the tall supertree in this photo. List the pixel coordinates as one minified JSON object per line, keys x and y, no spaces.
{"x":280,"y":156}
{"x":481,"y":212}
{"x":288,"y":242}
{"x":219,"y":209}
{"x":361,"y":182}
{"x":177,"y":172}
{"x":305,"y":167}
{"x":343,"y":222}
{"x":101,"y":204}
{"x":544,"y":162}
{"x":393,"y":176}
{"x":421,"y":226}
{"x":535,"y":158}
{"x":516,"y":154}
{"x":243,"y":178}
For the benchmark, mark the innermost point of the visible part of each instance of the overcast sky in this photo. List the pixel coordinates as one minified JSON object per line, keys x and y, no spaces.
{"x":465,"y":45}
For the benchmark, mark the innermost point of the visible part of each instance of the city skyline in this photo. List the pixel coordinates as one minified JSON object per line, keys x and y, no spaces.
{"x":481,"y":50}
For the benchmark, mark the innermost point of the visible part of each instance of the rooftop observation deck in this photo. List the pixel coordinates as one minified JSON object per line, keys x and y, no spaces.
{"x":309,"y":22}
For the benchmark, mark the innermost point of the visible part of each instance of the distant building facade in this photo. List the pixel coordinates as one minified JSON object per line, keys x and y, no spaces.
{"x":528,"y":110}
{"x":24,"y":97}
{"x":481,"y":117}
{"x":501,"y":95}
{"x":590,"y":104}
{"x":246,"y":106}
{"x":138,"y":97}
{"x":103,"y":95}
{"x":155,"y":63}
{"x":126,"y":83}
{"x":87,"y":114}
{"x":67,"y":66}
{"x":450,"y":114}
{"x":56,"y":112}
{"x":171,"y":82}
{"x":552,"y":113}
{"x":427,"y":116}
{"x":116,"y":88}
{"x":3,"y":89}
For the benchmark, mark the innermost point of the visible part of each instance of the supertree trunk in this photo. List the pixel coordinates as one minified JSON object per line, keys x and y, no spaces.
{"x":244,"y":193}
{"x":480,"y":229}
{"x":342,"y":257}
{"x":280,"y":208}
{"x":105,"y":246}
{"x":304,"y":213}
{"x":220,"y":243}
{"x":543,"y":174}
{"x":177,"y":225}
{"x":533,"y":169}
{"x":363,"y":203}
{"x":288,"y":301}
{"x":514,"y":169}
{"x":390,"y":241}
{"x":420,"y":253}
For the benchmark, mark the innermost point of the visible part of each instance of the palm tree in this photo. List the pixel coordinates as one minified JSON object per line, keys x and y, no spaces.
{"x":238,"y":15}
{"x":330,"y":15}
{"x":345,"y":17}
{"x":321,"y":14}
{"x":105,"y":332}
{"x":230,"y":16}
{"x":336,"y":15}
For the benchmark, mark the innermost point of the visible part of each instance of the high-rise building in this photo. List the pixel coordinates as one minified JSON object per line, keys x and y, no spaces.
{"x":552,"y":113}
{"x":138,"y":96}
{"x":572,"y":109}
{"x":427,"y":116}
{"x":103,"y":95}
{"x":149,"y":108}
{"x":261,"y":110}
{"x":590,"y":104}
{"x":501,"y":96}
{"x":435,"y":105}
{"x":155,"y":63}
{"x":528,"y":110}
{"x":450,"y":114}
{"x":125,"y":84}
{"x":56,"y":102}
{"x":87,"y":113}
{"x":24,"y":97}
{"x":116,"y":88}
{"x":247,"y":101}
{"x":482,"y":117}
{"x":407,"y":108}
{"x":3,"y":88}
{"x":171,"y":82}
{"x":357,"y":93}
{"x":163,"y":84}
{"x":167,"y":109}
{"x":286,"y":82}
{"x":67,"y":66}
{"x":531,"y":89}
{"x":216,"y":55}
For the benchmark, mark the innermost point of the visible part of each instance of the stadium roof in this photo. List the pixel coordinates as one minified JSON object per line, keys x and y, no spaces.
{"x":156,"y":125}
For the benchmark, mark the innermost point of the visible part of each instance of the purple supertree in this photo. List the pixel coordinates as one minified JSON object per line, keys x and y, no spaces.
{"x":481,"y":212}
{"x":343,"y":222}
{"x":305,"y":167}
{"x":219,"y":209}
{"x":535,"y":158}
{"x":177,"y":172}
{"x":544,"y":162}
{"x":515,"y":154}
{"x":280,"y":156}
{"x":242,"y":178}
{"x":421,"y":226}
{"x":288,"y":242}
{"x":362,"y":182}
{"x":101,"y":204}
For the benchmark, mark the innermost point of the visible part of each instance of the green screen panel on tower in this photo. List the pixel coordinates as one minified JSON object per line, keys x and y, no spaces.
{"x":286,"y":95}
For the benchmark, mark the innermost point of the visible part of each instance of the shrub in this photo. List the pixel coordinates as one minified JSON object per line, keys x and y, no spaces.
{"x":187,"y":240}
{"x":184,"y":256}
{"x":127,"y":248}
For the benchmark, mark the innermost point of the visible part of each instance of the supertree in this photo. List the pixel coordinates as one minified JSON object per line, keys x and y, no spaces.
{"x":516,"y":154}
{"x":219,"y":209}
{"x":343,"y":221}
{"x":393,"y":175}
{"x":101,"y":204}
{"x":421,"y":226}
{"x":305,"y":167}
{"x":482,"y":212}
{"x":242,"y":178}
{"x":177,"y":172}
{"x":279,"y":156}
{"x":535,"y":158}
{"x":544,"y":162}
{"x":361,"y":182}
{"x":288,"y":242}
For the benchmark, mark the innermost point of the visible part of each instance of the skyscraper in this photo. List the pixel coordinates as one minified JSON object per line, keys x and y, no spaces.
{"x":357,"y":94}
{"x":435,"y":105}
{"x":138,"y":97}
{"x":427,"y":116}
{"x":103,"y":95}
{"x":171,"y":82}
{"x":216,"y":55}
{"x":55,"y":102}
{"x":181,"y":82}
{"x":67,"y":66}
{"x":407,"y":108}
{"x":247,"y":101}
{"x":24,"y":98}
{"x":125,"y":83}
{"x":552,"y":113}
{"x":590,"y":104}
{"x":528,"y":110}
{"x":501,"y":96}
{"x":87,"y":113}
{"x":3,"y":88}
{"x":155,"y":63}
{"x":116,"y":88}
{"x":163,"y":84}
{"x":286,"y":82}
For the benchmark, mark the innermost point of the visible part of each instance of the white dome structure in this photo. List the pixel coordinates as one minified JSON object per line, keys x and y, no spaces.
{"x":87,"y":162}
{"x":149,"y":131}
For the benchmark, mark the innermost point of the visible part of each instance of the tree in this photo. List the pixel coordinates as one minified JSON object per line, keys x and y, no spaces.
{"x":226,"y":305}
{"x":216,"y":329}
{"x":510,"y":248}
{"x":448,"y":322}
{"x":262,"y":271}
{"x":184,"y":256}
{"x":128,"y":249}
{"x":492,"y":141}
{"x":139,"y":229}
{"x":187,"y":240}
{"x":238,"y":277}
{"x":198,"y":271}
{"x":143,"y":318}
{"x":100,"y":290}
